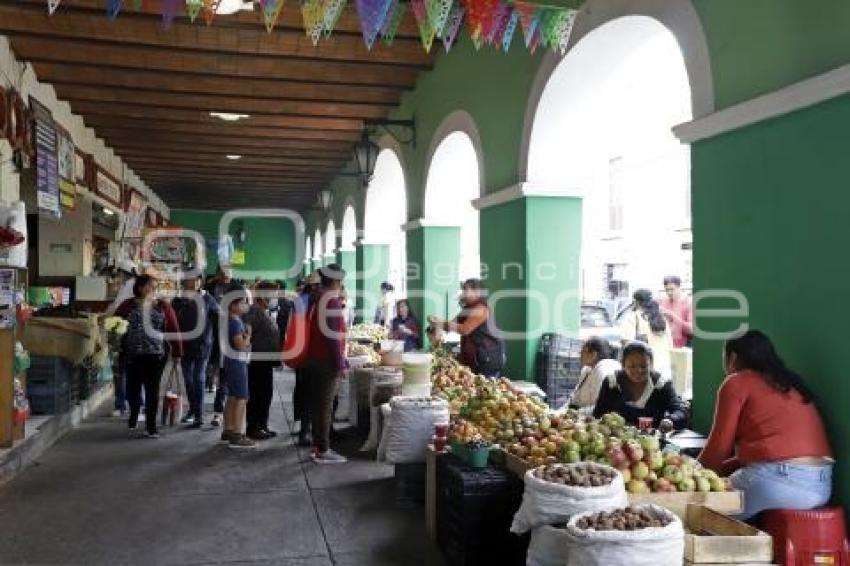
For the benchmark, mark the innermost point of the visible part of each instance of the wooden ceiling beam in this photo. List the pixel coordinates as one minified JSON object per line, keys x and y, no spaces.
{"x":188,"y":172}
{"x":122,"y":110}
{"x":247,"y":158}
{"x":290,"y":17}
{"x":233,"y":168}
{"x":131,"y":28}
{"x":141,"y":127}
{"x":210,"y":103}
{"x":220,"y":148}
{"x":192,"y":83}
{"x":37,"y":49}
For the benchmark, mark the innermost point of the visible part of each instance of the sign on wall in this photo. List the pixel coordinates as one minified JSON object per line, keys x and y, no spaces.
{"x":134,"y":221}
{"x":66,"y":157}
{"x":47,"y":164}
{"x":108,"y":188}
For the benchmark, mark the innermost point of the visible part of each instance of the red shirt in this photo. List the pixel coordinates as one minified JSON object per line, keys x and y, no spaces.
{"x":754,"y":422}
{"x":327,"y":332}
{"x":681,"y":325}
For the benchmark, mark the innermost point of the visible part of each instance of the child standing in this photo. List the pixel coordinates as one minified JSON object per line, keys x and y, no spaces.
{"x":236,"y":372}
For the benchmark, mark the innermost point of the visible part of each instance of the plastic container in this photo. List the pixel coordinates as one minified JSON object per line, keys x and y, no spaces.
{"x":416,"y":389}
{"x":800,"y":538}
{"x":441,"y":430}
{"x":439,"y":443}
{"x":417,"y":369}
{"x":478,"y":457}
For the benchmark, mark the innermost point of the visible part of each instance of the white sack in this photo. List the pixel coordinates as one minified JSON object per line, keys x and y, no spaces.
{"x":411,"y":426}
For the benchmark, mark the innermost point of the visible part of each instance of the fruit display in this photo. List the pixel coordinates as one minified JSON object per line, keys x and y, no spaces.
{"x":355,"y":349}
{"x":581,"y":475}
{"x":462,"y":431}
{"x":367,"y":331}
{"x":627,"y":519}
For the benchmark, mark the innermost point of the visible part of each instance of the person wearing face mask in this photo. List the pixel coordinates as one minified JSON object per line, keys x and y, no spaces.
{"x":236,"y":359}
{"x":639,"y":391}
{"x":265,"y":353}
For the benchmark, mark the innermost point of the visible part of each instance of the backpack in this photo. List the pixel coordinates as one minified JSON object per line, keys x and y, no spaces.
{"x":296,"y":343}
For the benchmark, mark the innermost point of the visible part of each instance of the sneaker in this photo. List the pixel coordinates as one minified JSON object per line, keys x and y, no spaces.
{"x":228,"y":436}
{"x":152,"y":434}
{"x":196,"y":424}
{"x":329,"y":457}
{"x":141,"y":417}
{"x":216,"y":421}
{"x":269,"y":433}
{"x":187,"y":419}
{"x":242,"y":442}
{"x":257,"y":435}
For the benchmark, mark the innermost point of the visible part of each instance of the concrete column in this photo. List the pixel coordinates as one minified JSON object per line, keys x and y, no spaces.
{"x":328,"y":259}
{"x":347,"y":259}
{"x":530,"y":248}
{"x":433,"y":258}
{"x":372,"y":269}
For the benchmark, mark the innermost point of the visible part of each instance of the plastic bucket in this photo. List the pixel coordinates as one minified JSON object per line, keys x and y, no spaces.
{"x":416,"y":389}
{"x":478,"y":457}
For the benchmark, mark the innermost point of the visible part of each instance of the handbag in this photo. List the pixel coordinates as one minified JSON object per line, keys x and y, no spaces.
{"x":172,"y":397}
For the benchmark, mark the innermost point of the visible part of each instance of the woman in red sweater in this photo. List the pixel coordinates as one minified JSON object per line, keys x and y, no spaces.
{"x":767,"y":431}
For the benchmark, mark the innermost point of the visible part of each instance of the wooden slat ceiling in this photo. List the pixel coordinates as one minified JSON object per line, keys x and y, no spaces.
{"x":148,"y":93}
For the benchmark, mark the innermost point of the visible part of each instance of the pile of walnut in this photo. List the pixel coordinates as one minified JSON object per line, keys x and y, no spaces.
{"x":628,"y":519}
{"x":581,"y":475}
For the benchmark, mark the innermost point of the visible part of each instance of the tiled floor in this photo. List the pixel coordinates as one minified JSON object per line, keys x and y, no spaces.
{"x":98,"y":497}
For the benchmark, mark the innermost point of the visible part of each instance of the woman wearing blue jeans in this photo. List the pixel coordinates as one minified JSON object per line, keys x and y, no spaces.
{"x":767,"y":431}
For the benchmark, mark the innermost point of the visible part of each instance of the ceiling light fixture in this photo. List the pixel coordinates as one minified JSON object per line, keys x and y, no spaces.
{"x":234,"y":157}
{"x":229,"y":116}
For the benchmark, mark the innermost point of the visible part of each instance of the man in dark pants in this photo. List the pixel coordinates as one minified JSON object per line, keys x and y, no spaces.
{"x":327,"y":363}
{"x":301,"y":394}
{"x":265,"y":343}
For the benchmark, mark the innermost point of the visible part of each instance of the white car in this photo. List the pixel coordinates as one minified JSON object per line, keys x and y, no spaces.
{"x":595,"y":321}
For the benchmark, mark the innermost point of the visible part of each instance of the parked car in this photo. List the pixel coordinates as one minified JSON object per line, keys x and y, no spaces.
{"x":595,"y":321}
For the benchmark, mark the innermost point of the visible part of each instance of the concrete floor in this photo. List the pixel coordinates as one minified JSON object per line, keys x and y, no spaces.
{"x":98,"y":497}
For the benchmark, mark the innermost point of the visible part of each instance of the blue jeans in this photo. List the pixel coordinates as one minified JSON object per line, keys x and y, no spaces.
{"x":782,"y":485}
{"x":195,"y":377}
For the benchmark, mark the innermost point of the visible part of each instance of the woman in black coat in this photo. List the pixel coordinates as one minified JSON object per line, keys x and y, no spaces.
{"x":639,"y":391}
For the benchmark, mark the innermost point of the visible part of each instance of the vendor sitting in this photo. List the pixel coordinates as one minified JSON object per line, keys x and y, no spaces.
{"x":767,"y":430}
{"x":598,"y":366}
{"x":638,"y":391}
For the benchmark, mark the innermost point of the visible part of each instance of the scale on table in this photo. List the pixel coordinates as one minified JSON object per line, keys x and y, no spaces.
{"x":685,"y":441}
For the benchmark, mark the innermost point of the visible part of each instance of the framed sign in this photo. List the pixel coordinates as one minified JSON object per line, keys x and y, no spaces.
{"x":66,"y":156}
{"x":47,"y":162}
{"x":107,"y":187}
{"x":134,"y":221}
{"x":81,"y":168}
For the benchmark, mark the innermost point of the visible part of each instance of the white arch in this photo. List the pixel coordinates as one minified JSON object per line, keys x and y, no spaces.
{"x":680,"y":18}
{"x":308,"y":249}
{"x":386,"y":211}
{"x":317,"y":244}
{"x":452,"y":183}
{"x":330,"y":237}
{"x":457,"y":121}
{"x":349,"y":226}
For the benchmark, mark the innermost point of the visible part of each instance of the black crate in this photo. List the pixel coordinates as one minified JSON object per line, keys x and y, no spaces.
{"x":410,"y":484}
{"x":557,"y":376}
{"x":475,"y":508}
{"x":559,"y":345}
{"x":50,"y":385}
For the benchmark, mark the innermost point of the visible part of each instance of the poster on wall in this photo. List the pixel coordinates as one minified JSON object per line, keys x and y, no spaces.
{"x":47,"y":163}
{"x":134,"y":221}
{"x":66,"y":157}
{"x":108,"y":188}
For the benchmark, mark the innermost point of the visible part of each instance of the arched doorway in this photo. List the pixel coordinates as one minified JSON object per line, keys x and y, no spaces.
{"x":308,"y":253}
{"x":603,"y":126}
{"x":349,"y":227}
{"x":386,"y":211}
{"x":452,"y":184}
{"x":317,"y":247}
{"x":330,"y":238}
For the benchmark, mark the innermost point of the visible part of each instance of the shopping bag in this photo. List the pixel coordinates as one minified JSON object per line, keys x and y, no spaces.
{"x":171,"y":388}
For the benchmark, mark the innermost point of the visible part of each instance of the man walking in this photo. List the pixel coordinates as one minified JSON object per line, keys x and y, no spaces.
{"x":265,"y":349}
{"x":678,"y":311}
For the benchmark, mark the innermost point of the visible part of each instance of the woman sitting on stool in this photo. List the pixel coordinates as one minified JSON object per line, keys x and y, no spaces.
{"x":767,"y":430}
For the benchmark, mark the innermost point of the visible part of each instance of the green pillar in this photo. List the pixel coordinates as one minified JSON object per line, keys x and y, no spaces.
{"x":530,"y":247}
{"x":373,"y":262}
{"x":347,"y":259}
{"x":305,"y":269}
{"x":328,"y":259}
{"x":433,"y":257}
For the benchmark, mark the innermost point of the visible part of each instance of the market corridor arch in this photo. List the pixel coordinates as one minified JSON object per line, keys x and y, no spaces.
{"x":349,"y":227}
{"x":386,"y":212}
{"x":453,"y":181}
{"x":603,"y":126}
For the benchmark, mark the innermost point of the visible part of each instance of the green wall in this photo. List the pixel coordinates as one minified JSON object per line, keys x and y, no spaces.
{"x":770,"y":216}
{"x":269,"y":242}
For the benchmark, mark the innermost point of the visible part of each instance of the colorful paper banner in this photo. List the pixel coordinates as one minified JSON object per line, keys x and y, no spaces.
{"x":312,"y":13}
{"x":372,"y":14}
{"x":426,"y":30}
{"x":210,"y":9}
{"x":438,"y":14}
{"x":113,"y":8}
{"x":453,"y":26}
{"x":193,"y":8}
{"x":393,"y":21}
{"x":333,"y":11}
{"x":271,"y":12}
{"x":51,"y":6}
{"x":508,"y":35}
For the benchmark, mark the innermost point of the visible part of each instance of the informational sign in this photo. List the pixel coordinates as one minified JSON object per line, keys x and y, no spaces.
{"x":47,"y":163}
{"x":67,"y":164}
{"x":107,"y":187}
{"x":80,"y":168}
{"x":134,"y":221}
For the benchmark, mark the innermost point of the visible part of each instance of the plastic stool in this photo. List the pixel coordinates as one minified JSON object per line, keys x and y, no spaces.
{"x":807,"y":538}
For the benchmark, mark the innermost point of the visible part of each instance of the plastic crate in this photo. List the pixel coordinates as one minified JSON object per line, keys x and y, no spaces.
{"x":410,"y":484}
{"x":474,"y":510}
{"x":557,"y":344}
{"x":50,"y":385}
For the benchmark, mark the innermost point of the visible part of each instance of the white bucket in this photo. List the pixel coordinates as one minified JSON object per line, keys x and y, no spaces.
{"x":416,"y":389}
